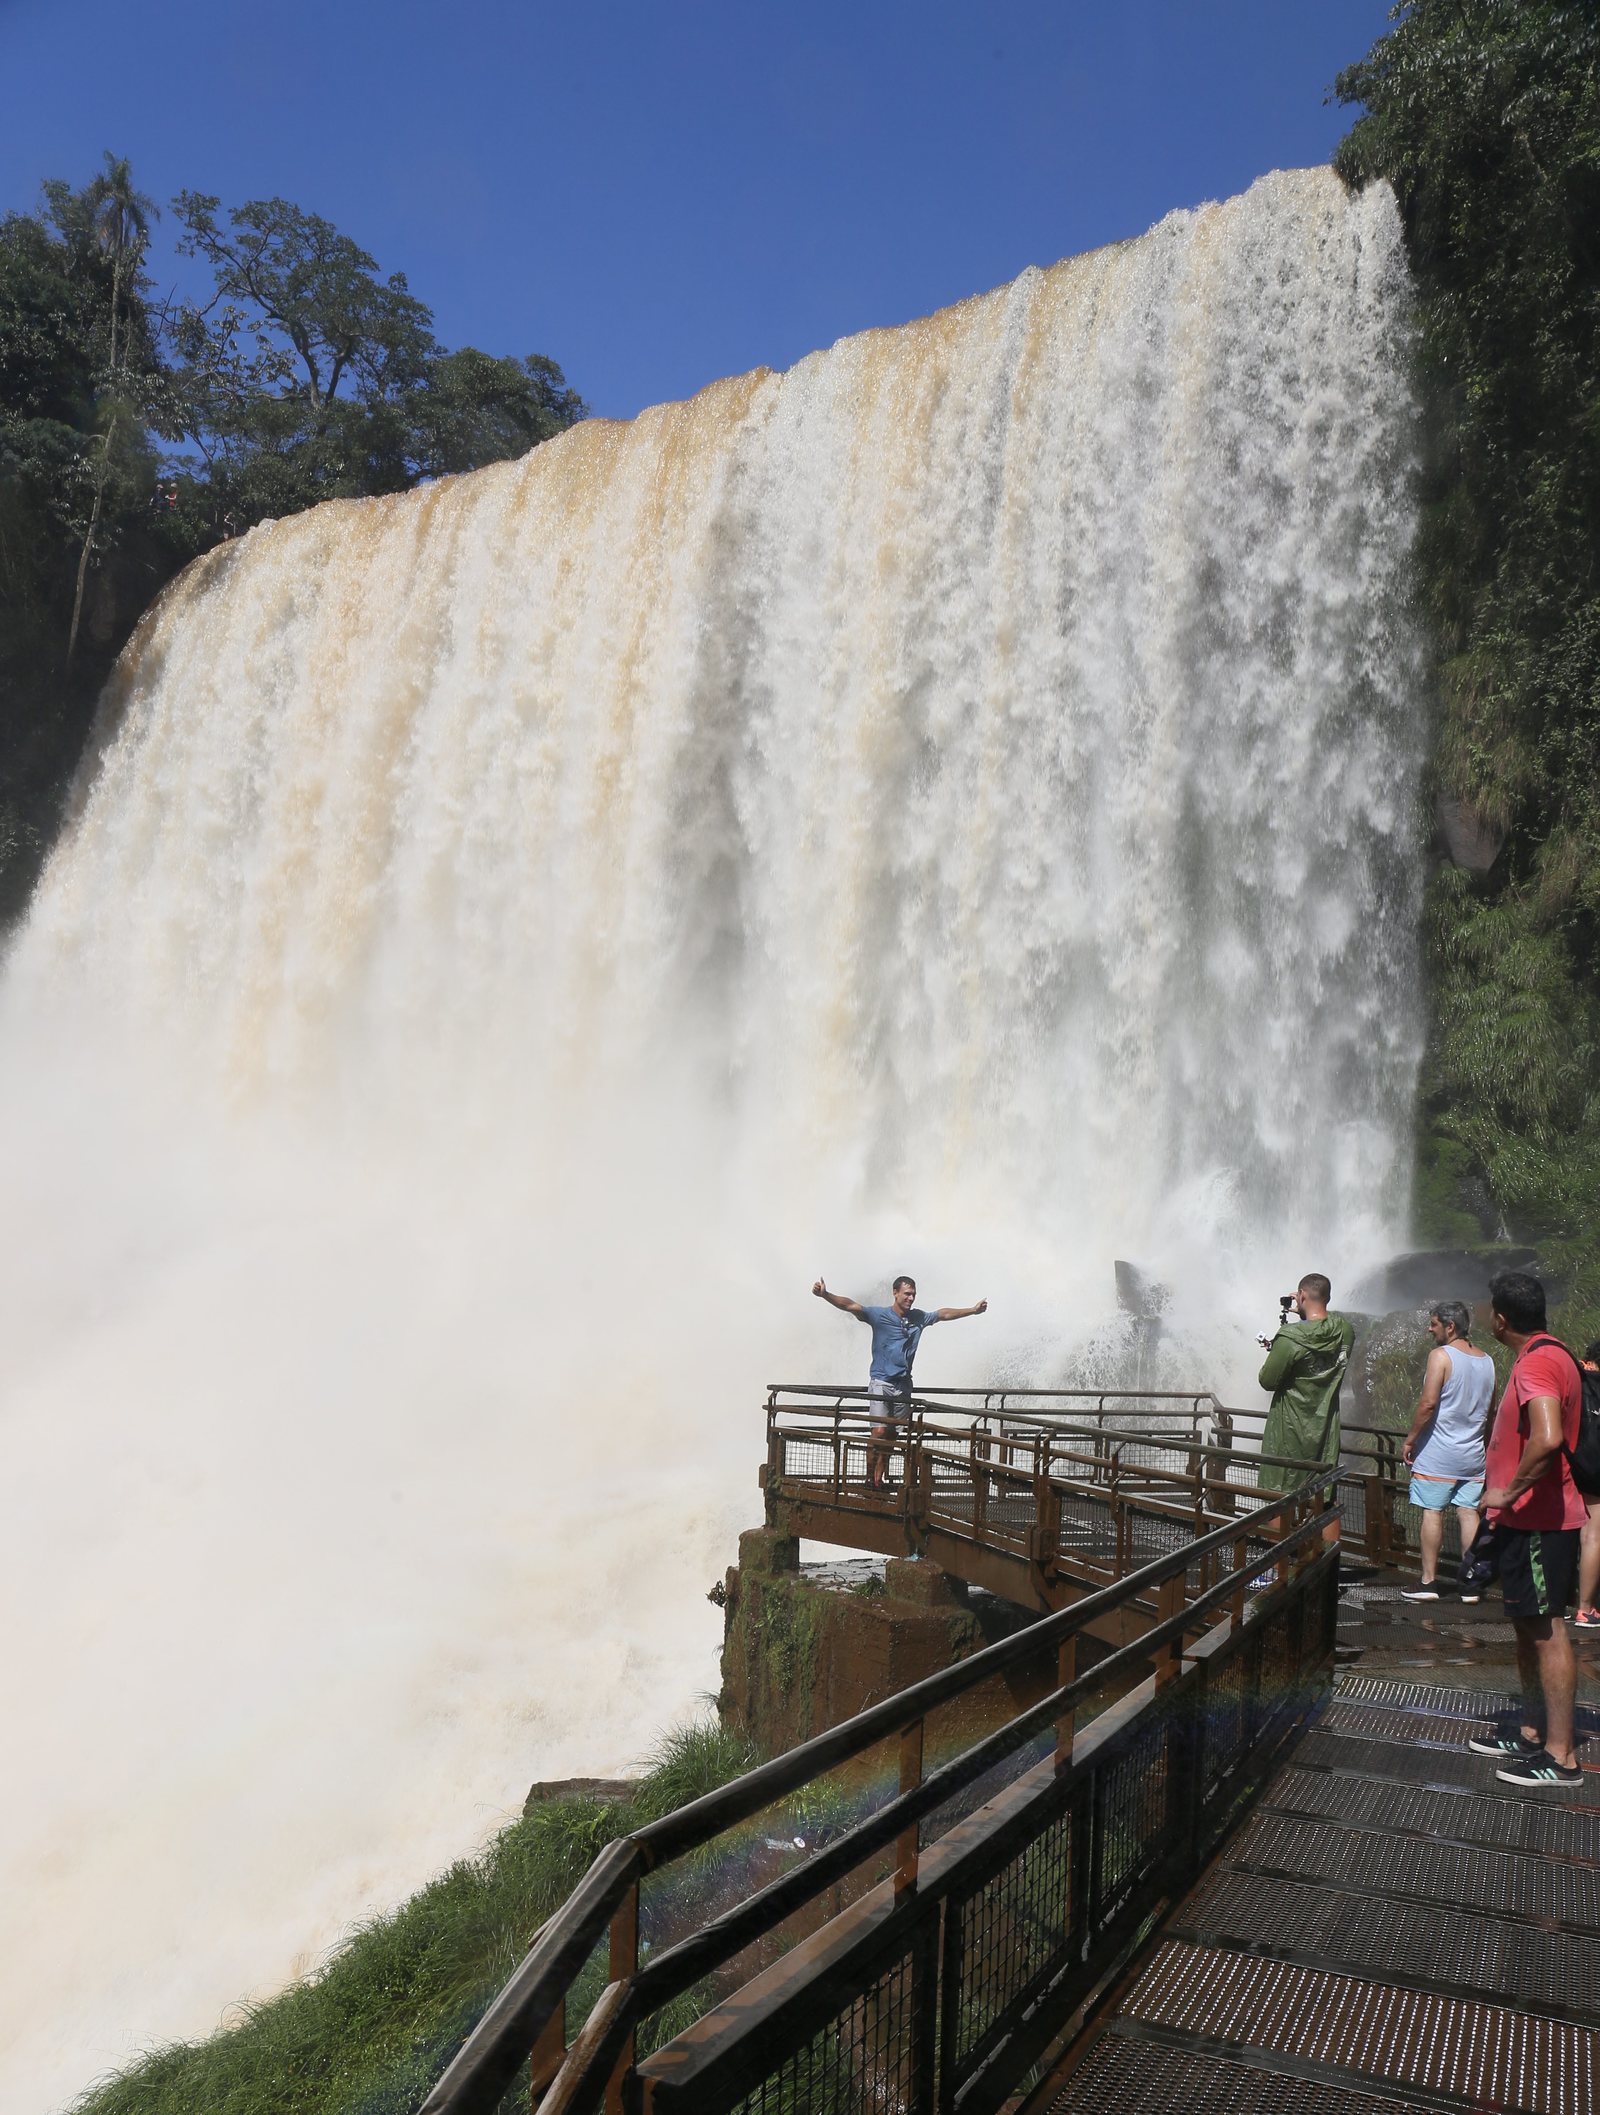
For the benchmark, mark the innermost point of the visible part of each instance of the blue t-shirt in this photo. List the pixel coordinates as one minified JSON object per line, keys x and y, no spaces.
{"x":894,"y":1341}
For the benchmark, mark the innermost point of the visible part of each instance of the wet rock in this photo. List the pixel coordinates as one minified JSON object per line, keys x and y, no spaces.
{"x":598,"y":1791}
{"x":1412,"y":1281}
{"x":1471,"y":840}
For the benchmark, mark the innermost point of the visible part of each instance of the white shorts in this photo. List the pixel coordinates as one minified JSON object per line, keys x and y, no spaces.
{"x":888,"y":1401}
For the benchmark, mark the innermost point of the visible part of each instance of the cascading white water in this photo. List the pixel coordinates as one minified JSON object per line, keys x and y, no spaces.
{"x":949,"y":807}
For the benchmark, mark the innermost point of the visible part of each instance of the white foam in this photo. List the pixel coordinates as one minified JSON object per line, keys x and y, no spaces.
{"x":949,"y":808}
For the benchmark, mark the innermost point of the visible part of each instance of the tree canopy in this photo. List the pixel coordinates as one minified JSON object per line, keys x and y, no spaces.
{"x":134,"y":435}
{"x":1485,"y":116}
{"x":306,"y":376}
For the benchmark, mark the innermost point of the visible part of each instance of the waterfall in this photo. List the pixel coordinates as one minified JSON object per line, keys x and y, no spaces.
{"x":948,"y":807}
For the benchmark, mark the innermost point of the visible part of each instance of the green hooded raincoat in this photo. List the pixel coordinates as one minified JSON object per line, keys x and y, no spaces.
{"x":1303,"y":1369}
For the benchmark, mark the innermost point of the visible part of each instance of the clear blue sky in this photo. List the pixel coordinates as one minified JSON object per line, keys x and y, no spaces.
{"x":658,"y":192}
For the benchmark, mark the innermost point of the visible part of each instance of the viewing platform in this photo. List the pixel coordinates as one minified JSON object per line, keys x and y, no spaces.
{"x":1042,"y":1496}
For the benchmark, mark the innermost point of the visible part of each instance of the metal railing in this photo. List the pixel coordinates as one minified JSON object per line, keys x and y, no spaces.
{"x":1042,"y":1472}
{"x":838,"y":1986}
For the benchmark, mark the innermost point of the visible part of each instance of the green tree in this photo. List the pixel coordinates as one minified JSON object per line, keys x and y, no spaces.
{"x":321,"y":316}
{"x":307,"y":376}
{"x":303,"y":375}
{"x":1485,"y":116}
{"x":117,"y":220}
{"x":80,"y":552}
{"x":476,"y":409}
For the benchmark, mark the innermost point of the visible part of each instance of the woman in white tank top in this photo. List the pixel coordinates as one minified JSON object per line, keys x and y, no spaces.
{"x":1445,"y":1446}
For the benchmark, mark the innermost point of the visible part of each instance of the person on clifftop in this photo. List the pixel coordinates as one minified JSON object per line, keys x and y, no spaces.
{"x":896,"y":1333}
{"x":1304,"y":1365}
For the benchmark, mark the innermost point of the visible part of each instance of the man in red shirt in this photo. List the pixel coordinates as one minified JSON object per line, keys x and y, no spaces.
{"x":1537,"y":1510}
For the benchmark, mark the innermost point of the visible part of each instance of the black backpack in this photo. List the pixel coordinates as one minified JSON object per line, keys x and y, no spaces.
{"x":1583,"y":1459}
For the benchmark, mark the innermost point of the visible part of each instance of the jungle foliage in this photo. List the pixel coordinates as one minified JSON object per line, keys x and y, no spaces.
{"x":135,"y":434}
{"x":1485,"y":116}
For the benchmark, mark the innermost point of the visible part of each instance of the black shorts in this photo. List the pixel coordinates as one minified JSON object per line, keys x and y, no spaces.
{"x":1538,"y":1570}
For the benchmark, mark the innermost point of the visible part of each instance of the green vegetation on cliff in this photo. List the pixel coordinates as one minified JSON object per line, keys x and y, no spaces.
{"x":372,"y":2030}
{"x":1485,"y":116}
{"x":136,"y":434}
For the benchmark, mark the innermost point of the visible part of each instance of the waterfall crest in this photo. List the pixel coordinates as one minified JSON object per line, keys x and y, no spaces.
{"x":997,"y":717}
{"x":953,"y":802}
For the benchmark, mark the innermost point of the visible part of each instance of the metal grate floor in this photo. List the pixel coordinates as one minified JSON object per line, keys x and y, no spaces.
{"x":1500,"y":1820}
{"x":1395,"y":1763}
{"x":1391,"y":1928}
{"x":1121,"y":2073}
{"x":1490,"y":1956}
{"x":1423,"y":1728}
{"x":1375,"y":1863}
{"x":1481,"y":2054}
{"x":1440,"y":1702}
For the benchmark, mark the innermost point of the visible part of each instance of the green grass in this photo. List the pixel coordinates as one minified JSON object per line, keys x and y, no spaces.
{"x":373,"y":2028}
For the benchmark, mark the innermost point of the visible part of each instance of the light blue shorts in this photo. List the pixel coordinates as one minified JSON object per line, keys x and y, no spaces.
{"x":1434,"y":1493}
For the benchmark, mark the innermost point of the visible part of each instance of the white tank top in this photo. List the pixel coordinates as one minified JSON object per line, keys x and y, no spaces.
{"x":1453,"y":1443}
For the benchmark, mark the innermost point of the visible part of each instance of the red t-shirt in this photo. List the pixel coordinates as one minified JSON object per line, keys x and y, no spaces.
{"x":1555,"y":1500}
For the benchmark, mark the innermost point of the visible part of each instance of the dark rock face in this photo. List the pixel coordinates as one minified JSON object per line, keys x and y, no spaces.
{"x":1138,"y":1294}
{"x":599,"y":1791}
{"x":1473,"y":843}
{"x":1390,"y":1310}
{"x":1414,"y":1281}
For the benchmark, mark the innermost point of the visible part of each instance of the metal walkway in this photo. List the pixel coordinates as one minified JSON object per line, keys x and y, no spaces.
{"x":889,"y":1921}
{"x":1391,"y":1929}
{"x":1211,"y":1890}
{"x":1043,"y":1497}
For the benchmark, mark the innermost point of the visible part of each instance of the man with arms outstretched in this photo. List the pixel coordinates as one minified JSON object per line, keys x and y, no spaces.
{"x":1537,"y":1512}
{"x":896,"y":1332}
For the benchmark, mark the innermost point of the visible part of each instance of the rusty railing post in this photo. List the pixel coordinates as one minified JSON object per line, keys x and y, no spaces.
{"x":549,"y":2052}
{"x":774,"y":1465}
{"x":1287,"y":1521}
{"x":1169,"y":1603}
{"x":1197,"y":1476}
{"x":1047,"y":1510}
{"x":624,"y":1966}
{"x":1332,"y":1531}
{"x":1066,"y":1671}
{"x":1379,"y":1547}
{"x":906,"y":1844}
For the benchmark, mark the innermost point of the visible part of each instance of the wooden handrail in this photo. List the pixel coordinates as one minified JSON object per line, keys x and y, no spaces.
{"x":494,"y":2051}
{"x":669,"y":1973}
{"x":492,"y":2054}
{"x":990,"y":1402}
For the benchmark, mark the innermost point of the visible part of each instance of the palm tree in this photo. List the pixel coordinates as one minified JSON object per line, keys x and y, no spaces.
{"x":117,"y":218}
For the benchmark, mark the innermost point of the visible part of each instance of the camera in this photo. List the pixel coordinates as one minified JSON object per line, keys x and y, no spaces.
{"x":1286,"y":1306}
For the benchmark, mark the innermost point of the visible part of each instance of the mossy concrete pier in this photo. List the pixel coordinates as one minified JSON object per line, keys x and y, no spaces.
{"x":807,"y":1646}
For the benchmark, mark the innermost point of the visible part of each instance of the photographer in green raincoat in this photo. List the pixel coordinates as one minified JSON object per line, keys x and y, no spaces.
{"x":1304,"y":1365}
